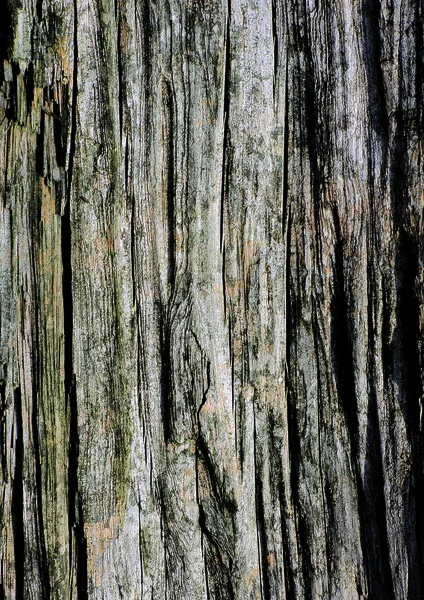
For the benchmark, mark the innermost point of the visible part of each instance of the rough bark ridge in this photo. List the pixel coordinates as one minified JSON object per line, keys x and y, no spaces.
{"x":212,"y":301}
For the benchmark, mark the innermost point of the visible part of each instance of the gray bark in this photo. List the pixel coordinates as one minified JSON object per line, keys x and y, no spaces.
{"x":211,"y":299}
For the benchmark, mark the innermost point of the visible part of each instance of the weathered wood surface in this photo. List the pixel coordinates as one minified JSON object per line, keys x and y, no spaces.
{"x":211,"y":318}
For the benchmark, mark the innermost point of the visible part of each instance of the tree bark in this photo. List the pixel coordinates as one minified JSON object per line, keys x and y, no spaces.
{"x":211,"y":300}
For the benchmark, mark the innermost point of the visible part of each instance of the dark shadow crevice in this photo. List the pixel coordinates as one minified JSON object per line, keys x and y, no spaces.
{"x":77,"y":540}
{"x":169,"y":182}
{"x":372,"y":60}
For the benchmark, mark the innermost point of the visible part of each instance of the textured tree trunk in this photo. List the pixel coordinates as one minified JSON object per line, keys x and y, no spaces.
{"x":211,"y":299}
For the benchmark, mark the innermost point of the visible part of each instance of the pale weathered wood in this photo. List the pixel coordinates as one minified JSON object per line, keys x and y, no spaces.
{"x":211,"y":300}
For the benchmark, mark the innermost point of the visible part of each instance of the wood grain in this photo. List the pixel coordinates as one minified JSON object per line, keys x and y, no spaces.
{"x":211,"y":300}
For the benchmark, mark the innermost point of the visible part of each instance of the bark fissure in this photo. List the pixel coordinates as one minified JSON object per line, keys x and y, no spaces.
{"x":226,"y":115}
{"x":382,"y":583}
{"x":275,"y":46}
{"x":37,"y":416}
{"x":18,"y":500}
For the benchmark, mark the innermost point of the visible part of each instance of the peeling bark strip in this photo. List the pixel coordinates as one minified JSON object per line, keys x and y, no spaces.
{"x":211,"y":300}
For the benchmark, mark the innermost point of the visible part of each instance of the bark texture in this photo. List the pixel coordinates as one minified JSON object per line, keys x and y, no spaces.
{"x":211,"y":299}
